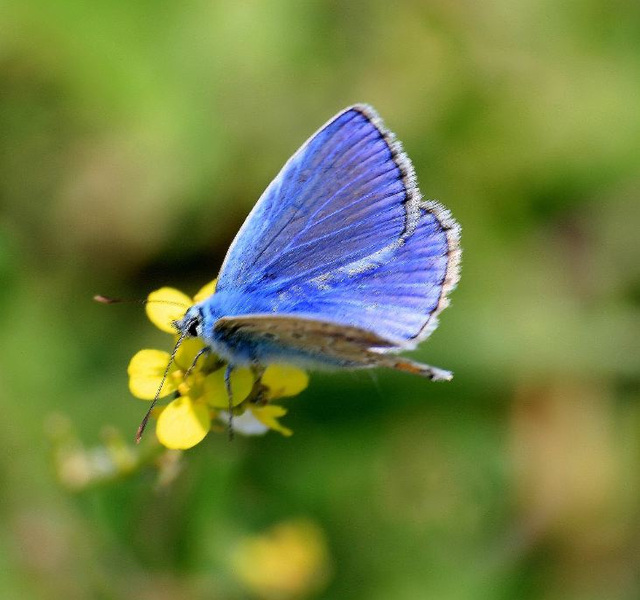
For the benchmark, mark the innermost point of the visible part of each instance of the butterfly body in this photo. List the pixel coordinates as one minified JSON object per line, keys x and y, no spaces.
{"x":340,"y":264}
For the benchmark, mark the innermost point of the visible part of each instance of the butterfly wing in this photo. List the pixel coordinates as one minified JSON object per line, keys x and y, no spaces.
{"x":270,"y":338}
{"x":268,"y":334}
{"x":342,"y":235}
{"x":398,"y":292}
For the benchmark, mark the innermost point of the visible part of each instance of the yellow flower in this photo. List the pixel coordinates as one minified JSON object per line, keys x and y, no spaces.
{"x":268,"y":416}
{"x":284,"y":380}
{"x":145,"y":374}
{"x":166,"y":305}
{"x":200,"y":398}
{"x":183,"y":423}
{"x":215,"y":389}
{"x":290,"y":560}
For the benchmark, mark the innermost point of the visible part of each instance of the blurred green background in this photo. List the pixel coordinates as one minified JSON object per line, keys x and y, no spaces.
{"x":134,"y":139}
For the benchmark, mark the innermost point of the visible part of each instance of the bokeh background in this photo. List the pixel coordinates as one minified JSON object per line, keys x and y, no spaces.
{"x":134,"y":139}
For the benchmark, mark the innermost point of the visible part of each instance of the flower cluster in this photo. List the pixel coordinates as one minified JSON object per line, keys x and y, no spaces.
{"x":199,"y":400}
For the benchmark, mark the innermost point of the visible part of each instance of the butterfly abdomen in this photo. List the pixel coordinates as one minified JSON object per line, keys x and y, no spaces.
{"x":410,"y":366}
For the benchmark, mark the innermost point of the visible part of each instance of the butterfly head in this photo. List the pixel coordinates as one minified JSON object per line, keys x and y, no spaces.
{"x":191,"y":324}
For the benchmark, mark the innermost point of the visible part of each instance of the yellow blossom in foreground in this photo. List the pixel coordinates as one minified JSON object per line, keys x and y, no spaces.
{"x":200,"y":399}
{"x":284,"y":380}
{"x":166,"y":305}
{"x":145,"y":374}
{"x":268,"y":416}
{"x":183,"y":423}
{"x":216,"y":391}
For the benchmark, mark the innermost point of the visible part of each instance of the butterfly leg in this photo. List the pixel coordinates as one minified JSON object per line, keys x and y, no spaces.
{"x":259,"y":392}
{"x":258,"y":370}
{"x":227,"y":383}
{"x":205,"y":350}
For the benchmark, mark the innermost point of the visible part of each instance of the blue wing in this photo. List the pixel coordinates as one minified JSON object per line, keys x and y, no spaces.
{"x":341,"y":235}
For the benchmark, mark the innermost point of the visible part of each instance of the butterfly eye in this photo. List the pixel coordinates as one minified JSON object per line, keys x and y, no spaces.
{"x":192,"y":330}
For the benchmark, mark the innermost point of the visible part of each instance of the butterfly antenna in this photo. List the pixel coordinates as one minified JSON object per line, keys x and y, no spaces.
{"x":143,"y":424}
{"x":110,"y":300}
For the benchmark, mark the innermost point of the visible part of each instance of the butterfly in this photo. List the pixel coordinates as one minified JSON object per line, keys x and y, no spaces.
{"x":340,"y":264}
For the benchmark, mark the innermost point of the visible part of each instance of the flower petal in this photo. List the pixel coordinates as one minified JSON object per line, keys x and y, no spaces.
{"x":268,"y":415}
{"x":205,"y":291}
{"x":215,"y":391}
{"x":165,"y":306}
{"x":284,"y":380}
{"x":187,"y":353}
{"x":183,"y":423}
{"x":146,"y":369}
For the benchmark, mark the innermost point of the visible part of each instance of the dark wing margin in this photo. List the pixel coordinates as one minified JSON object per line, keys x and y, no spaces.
{"x":452,"y":231}
{"x":443,"y":216}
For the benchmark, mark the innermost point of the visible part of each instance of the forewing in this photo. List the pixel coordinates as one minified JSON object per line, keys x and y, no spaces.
{"x":342,"y":197}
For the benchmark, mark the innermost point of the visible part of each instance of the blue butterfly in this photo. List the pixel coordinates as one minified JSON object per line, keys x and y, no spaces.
{"x":340,"y":264}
